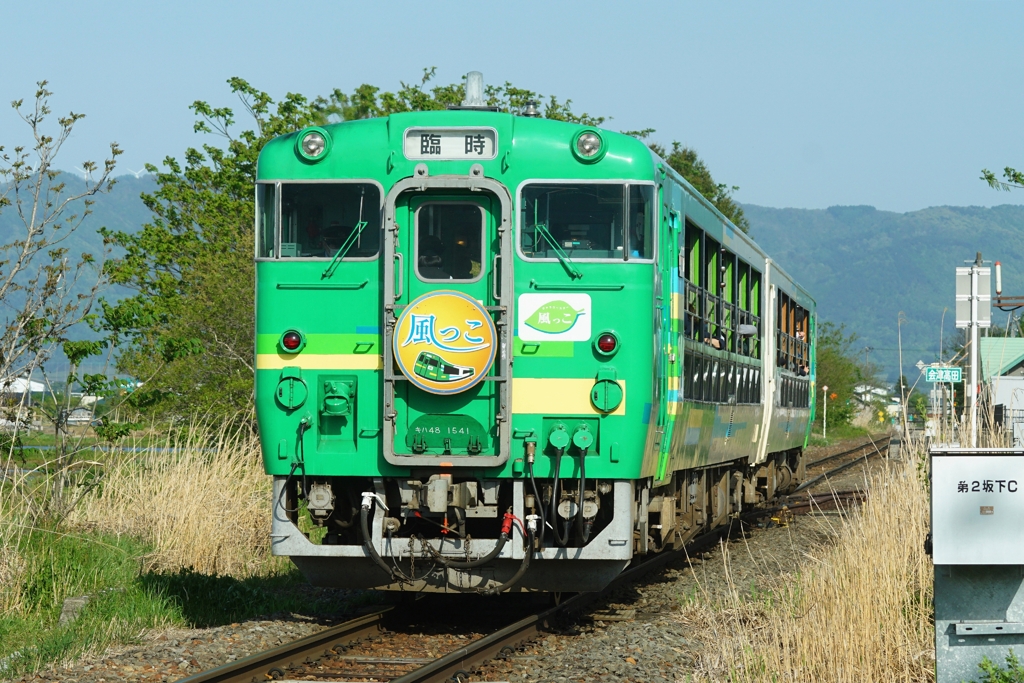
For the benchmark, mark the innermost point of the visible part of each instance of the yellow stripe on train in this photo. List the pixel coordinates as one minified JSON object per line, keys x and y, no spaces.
{"x":557,"y":396}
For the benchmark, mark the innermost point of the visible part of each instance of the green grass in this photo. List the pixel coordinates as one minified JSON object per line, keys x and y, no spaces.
{"x":840,"y":433}
{"x":126,"y":601}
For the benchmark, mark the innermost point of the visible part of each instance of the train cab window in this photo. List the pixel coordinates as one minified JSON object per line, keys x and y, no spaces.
{"x":449,"y":241}
{"x":587,"y":221}
{"x":266,"y":216}
{"x":319,"y":219}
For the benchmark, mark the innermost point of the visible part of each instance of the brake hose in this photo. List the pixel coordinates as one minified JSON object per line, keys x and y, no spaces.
{"x":531,"y":521}
{"x":538,"y":504}
{"x":583,"y":527}
{"x":506,"y":533}
{"x":369,"y":499}
{"x":559,"y":538}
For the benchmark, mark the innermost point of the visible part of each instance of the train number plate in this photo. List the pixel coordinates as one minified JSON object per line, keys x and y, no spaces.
{"x":451,"y":143}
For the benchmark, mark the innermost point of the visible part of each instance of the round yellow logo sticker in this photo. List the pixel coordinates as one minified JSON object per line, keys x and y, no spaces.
{"x":444,"y":342}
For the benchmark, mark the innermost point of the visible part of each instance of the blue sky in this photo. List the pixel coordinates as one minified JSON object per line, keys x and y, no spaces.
{"x":802,"y":104}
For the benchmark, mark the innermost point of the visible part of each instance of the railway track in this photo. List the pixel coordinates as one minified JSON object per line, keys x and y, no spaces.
{"x":367,"y":649}
{"x":352,"y":651}
{"x":863,"y":452}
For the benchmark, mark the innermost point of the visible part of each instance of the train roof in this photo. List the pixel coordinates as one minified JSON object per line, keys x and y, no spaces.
{"x":527,"y":148}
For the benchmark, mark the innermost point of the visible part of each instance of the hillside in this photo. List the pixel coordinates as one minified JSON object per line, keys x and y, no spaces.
{"x":865,"y":267}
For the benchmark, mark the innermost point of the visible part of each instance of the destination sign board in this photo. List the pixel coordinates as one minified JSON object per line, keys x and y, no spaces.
{"x":943,"y":374}
{"x":451,"y":143}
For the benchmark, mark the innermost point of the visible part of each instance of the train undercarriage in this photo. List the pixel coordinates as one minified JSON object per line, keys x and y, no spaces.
{"x":453,"y":533}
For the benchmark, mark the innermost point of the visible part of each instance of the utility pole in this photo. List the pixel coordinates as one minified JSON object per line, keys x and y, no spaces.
{"x":973,"y":311}
{"x":824,"y":416}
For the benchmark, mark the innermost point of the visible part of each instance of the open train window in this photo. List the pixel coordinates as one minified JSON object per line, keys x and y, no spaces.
{"x":587,"y":221}
{"x":792,"y":330}
{"x":320,"y":219}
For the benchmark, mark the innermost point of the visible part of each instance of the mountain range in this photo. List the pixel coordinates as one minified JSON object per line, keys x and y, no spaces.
{"x":871,"y":269}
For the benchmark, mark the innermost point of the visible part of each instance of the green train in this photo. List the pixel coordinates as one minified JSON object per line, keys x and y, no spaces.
{"x":499,"y":352}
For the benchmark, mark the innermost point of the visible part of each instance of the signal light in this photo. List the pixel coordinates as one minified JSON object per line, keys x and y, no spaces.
{"x":291,"y":340}
{"x":607,"y":343}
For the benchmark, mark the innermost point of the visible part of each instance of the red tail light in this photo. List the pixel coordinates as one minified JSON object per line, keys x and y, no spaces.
{"x":291,"y":340}
{"x":607,"y":343}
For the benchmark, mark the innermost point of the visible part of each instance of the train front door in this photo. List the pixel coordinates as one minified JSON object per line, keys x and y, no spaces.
{"x":447,"y":380}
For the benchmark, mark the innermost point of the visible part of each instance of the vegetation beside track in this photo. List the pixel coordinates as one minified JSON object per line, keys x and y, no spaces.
{"x":860,"y":610}
{"x":154,"y":539}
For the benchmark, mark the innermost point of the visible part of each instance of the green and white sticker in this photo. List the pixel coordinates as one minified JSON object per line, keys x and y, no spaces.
{"x":554,"y":317}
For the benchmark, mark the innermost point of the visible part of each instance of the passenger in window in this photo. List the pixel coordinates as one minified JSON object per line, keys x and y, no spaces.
{"x":690,"y":321}
{"x":717,"y":341}
{"x":801,"y":351}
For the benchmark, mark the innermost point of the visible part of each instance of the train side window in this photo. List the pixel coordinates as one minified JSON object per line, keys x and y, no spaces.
{"x":318,"y":219}
{"x":640,"y":220}
{"x":449,"y":241}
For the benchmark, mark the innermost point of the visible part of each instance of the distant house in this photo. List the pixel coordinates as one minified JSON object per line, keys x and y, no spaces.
{"x":17,"y":389}
{"x":868,"y":393}
{"x":1002,"y":370}
{"x":80,"y":416}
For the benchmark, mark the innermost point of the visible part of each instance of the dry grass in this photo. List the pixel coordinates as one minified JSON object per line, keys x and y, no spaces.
{"x":12,"y":565}
{"x":859,"y":610}
{"x":204,"y":505}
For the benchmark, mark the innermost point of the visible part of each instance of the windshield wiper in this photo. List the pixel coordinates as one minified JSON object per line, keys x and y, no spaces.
{"x":563,"y":258}
{"x":346,"y":245}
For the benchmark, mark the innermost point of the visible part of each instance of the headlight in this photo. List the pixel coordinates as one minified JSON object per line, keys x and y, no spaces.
{"x":588,"y":144}
{"x":313,"y":144}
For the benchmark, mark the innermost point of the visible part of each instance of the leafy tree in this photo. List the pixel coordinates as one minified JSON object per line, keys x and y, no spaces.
{"x":1012,"y":179}
{"x":44,"y":290}
{"x":686,"y":162}
{"x":187,"y":330}
{"x":837,"y":369}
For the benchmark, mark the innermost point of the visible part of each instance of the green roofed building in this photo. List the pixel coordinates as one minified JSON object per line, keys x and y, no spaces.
{"x":1002,"y":366}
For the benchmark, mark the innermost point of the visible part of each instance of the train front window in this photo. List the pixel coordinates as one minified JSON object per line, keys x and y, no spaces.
{"x":449,"y":241}
{"x":587,"y":221}
{"x":319,"y":219}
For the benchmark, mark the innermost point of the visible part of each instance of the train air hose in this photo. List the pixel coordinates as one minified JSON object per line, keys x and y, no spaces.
{"x":369,"y":499}
{"x":560,"y":539}
{"x":300,"y":461}
{"x":531,"y":532}
{"x":506,"y":534}
{"x":583,"y":527}
{"x":539,"y":505}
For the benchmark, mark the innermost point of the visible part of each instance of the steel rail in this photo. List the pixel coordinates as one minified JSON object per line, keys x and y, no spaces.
{"x":260,"y":666}
{"x":836,"y":470}
{"x":870,"y":442}
{"x":456,"y":665}
{"x":826,"y":501}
